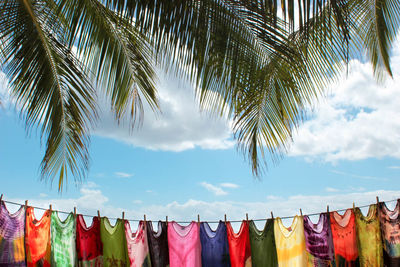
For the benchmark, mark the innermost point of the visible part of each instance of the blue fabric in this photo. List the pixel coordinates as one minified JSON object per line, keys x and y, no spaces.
{"x":214,"y":246}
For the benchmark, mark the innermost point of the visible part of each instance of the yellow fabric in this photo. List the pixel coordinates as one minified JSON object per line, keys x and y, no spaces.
{"x":290,"y":245}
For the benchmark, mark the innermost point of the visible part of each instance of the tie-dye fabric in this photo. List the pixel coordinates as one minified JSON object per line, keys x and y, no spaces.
{"x":290,"y":243}
{"x":344,"y":238}
{"x":12,"y":230}
{"x":262,"y":243}
{"x":88,"y":243}
{"x":184,"y":245}
{"x":239,"y":245}
{"x":138,"y":248}
{"x":37,"y":239}
{"x":319,"y":242}
{"x":369,"y":238}
{"x":390,"y":227}
{"x":158,"y":244}
{"x":63,"y":248}
{"x":114,"y":243}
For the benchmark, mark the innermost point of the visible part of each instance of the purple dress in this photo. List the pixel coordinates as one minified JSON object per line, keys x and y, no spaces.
{"x":214,"y":246}
{"x":319,"y":241}
{"x":12,"y":246}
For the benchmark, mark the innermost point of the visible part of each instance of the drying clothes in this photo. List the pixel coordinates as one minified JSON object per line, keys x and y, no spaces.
{"x":263,"y":250}
{"x":344,"y":238}
{"x":37,"y":239}
{"x":63,"y":246}
{"x":369,"y":237}
{"x":390,"y":227}
{"x":158,"y":244}
{"x":12,"y":230}
{"x":184,"y":245}
{"x":138,"y":249}
{"x":114,"y":243}
{"x":239,"y":245}
{"x":290,"y":243}
{"x":214,"y":246}
{"x":88,"y":243}
{"x":319,"y":242}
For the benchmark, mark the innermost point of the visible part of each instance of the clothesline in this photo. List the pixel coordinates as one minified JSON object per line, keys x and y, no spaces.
{"x":232,"y":221}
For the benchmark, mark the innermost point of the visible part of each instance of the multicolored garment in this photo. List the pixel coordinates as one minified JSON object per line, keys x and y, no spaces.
{"x":290,"y":243}
{"x":37,"y":239}
{"x":390,"y":227}
{"x":12,"y":230}
{"x":319,"y":242}
{"x":214,"y":246}
{"x":114,"y":243}
{"x":63,"y":248}
{"x":88,"y":243}
{"x":344,"y":238}
{"x":263,"y":250}
{"x":239,"y":245}
{"x":184,"y":245}
{"x":138,"y":249}
{"x":369,"y":239}
{"x":158,"y":244}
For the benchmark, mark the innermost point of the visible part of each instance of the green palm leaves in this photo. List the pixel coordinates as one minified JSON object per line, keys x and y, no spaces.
{"x":261,"y":62}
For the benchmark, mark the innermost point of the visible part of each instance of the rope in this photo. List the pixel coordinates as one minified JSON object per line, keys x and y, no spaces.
{"x":185,"y":222}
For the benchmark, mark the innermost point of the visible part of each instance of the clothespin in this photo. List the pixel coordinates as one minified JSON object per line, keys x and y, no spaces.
{"x":272,"y":215}
{"x":144,"y":217}
{"x":198,"y":218}
{"x":98,"y":214}
{"x":354,"y":206}
{"x":301,"y":213}
{"x":26,"y":204}
{"x":1,"y":197}
{"x":123,"y":215}
{"x":377,"y":200}
{"x":166,"y":219}
{"x":247,"y":217}
{"x":50,"y":208}
{"x":74,"y":211}
{"x":327,"y":208}
{"x":225,"y":218}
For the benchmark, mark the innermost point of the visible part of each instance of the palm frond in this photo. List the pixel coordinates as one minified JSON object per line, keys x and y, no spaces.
{"x":48,"y":85}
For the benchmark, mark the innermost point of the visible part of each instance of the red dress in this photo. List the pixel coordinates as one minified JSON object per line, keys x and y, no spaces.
{"x":239,"y":245}
{"x":88,"y":242}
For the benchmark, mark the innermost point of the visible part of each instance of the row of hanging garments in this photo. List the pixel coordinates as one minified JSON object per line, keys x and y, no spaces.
{"x":351,"y":239}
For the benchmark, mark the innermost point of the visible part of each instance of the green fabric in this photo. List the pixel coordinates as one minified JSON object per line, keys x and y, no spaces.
{"x":263,"y":250}
{"x":63,"y":250}
{"x":114,"y":243}
{"x":369,"y":238}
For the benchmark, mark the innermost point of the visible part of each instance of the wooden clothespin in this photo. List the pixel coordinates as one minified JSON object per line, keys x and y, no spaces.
{"x":247,"y":217}
{"x":144,"y":218}
{"x":26,"y":204}
{"x":327,"y":208}
{"x":301,"y":213}
{"x":354,"y":206}
{"x":377,"y":200}
{"x":272,"y":215}
{"x":74,"y":211}
{"x":98,"y":214}
{"x":1,"y":197}
{"x":123,"y":215}
{"x":166,"y":219}
{"x":50,"y":208}
{"x":225,"y":218}
{"x":198,"y":218}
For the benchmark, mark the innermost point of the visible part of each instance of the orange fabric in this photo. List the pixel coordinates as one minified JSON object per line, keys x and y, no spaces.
{"x":344,"y":235}
{"x":37,"y":239}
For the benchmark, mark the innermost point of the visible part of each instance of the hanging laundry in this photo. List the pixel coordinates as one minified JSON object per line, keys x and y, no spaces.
{"x":63,"y":246}
{"x":12,"y":230}
{"x":37,"y":239}
{"x":184,"y":245}
{"x":114,"y":243}
{"x":158,"y":244}
{"x":239,"y":245}
{"x":88,"y":243}
{"x":138,"y":248}
{"x":290,"y":243}
{"x":214,"y":246}
{"x":369,"y":239}
{"x":262,"y":243}
{"x":344,"y":238}
{"x":390,"y":227}
{"x":319,"y":241}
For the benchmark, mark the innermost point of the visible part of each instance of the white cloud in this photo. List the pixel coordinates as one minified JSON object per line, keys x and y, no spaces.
{"x":358,"y":120}
{"x":331,"y":189}
{"x":42,"y":195}
{"x":123,"y":174}
{"x":229,"y":185}
{"x":363,"y":177}
{"x":394,"y":167}
{"x":218,"y":191}
{"x":180,"y":126}
{"x":137,"y":201}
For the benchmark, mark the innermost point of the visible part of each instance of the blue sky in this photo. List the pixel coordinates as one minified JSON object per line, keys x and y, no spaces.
{"x":183,"y":162}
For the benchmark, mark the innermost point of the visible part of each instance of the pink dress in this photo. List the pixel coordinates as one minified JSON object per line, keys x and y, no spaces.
{"x":138,"y":248}
{"x":184,"y":245}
